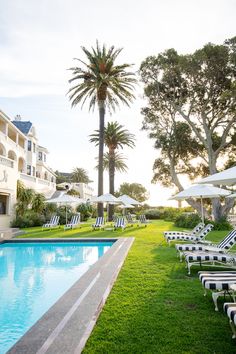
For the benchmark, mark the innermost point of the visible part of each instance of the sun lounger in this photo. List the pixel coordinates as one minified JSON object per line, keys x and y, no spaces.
{"x":120,"y":224}
{"x":75,"y":222}
{"x":230,"y":309}
{"x":143,"y":220}
{"x":99,"y":223}
{"x":53,"y":223}
{"x":130,"y":220}
{"x":218,"y":283}
{"x":223,"y":246}
{"x":192,"y":238}
{"x":210,"y":259}
{"x":194,"y":231}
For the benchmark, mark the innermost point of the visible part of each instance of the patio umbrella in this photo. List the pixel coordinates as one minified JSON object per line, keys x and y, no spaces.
{"x":226,"y":177}
{"x":126,"y":206}
{"x":66,"y":199}
{"x":106,"y":198}
{"x":128,"y":200}
{"x":201,"y":192}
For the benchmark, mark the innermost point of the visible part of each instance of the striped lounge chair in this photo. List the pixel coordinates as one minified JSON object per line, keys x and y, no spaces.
{"x":213,"y":259}
{"x":75,"y":222}
{"x":53,"y":223}
{"x":218,"y":283}
{"x":143,"y":220}
{"x":192,"y":238}
{"x":223,"y":246}
{"x":230,"y":309}
{"x":194,"y":231}
{"x":120,"y":224}
{"x":130,"y":220}
{"x":99,"y":223}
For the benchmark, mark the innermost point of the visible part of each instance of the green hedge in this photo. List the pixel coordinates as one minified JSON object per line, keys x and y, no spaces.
{"x":165,"y":213}
{"x":190,"y":221}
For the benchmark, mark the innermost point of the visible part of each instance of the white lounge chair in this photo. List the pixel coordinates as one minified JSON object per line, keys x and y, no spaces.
{"x":230,"y":309}
{"x":130,"y":220}
{"x":192,"y":238}
{"x":223,"y":246}
{"x":143,"y":220}
{"x":218,"y":283}
{"x":194,"y":231}
{"x":53,"y":223}
{"x":120,"y":224}
{"x":75,"y":222}
{"x":214,"y":256}
{"x":99,"y":223}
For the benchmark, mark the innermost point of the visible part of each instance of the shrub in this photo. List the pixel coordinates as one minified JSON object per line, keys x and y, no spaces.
{"x":85,"y":210}
{"x":29,"y":219}
{"x":221,"y":224}
{"x":166,"y":213}
{"x":187,"y":221}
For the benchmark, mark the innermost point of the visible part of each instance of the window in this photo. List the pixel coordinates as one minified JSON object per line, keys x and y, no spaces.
{"x":44,"y":157}
{"x":29,"y":145}
{"x":33,"y":171}
{"x":3,"y":204}
{"x":29,"y":170}
{"x":33,"y":147}
{"x":40,"y":156}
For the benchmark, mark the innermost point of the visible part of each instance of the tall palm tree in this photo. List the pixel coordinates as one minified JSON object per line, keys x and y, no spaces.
{"x":103,"y":83}
{"x":115,"y":136}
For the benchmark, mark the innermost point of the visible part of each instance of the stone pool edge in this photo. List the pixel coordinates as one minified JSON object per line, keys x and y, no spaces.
{"x":67,"y":325}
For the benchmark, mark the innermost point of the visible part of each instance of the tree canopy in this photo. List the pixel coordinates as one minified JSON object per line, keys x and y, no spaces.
{"x":191,"y":112}
{"x":134,"y":190}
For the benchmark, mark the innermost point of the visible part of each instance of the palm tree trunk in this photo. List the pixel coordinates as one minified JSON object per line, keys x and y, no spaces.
{"x":111,"y":180}
{"x":101,"y":106}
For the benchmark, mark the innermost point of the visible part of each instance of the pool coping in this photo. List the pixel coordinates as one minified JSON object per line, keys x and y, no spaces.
{"x":67,"y":325}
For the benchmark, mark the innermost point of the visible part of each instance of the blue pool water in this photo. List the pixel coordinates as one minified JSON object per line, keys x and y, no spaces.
{"x":33,"y":276}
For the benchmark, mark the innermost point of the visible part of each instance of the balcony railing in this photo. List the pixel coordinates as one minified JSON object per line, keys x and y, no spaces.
{"x":6,"y":162}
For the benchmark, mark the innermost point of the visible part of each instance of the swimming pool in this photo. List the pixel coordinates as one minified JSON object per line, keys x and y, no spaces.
{"x":33,"y":276}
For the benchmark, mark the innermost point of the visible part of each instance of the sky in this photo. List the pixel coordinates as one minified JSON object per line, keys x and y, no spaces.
{"x":38,"y":41}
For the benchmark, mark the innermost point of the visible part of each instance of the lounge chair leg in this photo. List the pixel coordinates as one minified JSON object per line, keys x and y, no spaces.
{"x":189,"y":268}
{"x":233,"y":329}
{"x":214,"y":298}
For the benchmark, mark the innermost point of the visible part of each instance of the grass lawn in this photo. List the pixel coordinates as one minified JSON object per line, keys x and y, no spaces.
{"x":154,"y":307}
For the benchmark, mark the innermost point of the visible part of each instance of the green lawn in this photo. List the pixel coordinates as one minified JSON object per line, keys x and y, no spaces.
{"x":154,"y":307}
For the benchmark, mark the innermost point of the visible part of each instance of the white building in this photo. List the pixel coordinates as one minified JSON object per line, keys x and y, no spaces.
{"x":85,"y":191}
{"x":21,"y":158}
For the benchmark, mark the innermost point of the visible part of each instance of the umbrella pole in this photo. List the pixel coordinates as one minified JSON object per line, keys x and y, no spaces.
{"x":66,"y":214}
{"x":202,"y":211}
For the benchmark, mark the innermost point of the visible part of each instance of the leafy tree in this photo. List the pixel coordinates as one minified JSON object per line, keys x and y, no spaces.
{"x":199,"y":90}
{"x":25,"y":197}
{"x":73,"y":192}
{"x":134,"y":190}
{"x":38,"y":203}
{"x":101,"y":82}
{"x":115,"y":136}
{"x":79,"y":175}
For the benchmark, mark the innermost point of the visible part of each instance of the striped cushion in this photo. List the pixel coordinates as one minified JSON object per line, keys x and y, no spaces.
{"x":193,"y":238}
{"x":217,"y":281}
{"x":206,"y":256}
{"x":229,"y":241}
{"x":195,"y":231}
{"x":230,"y":309}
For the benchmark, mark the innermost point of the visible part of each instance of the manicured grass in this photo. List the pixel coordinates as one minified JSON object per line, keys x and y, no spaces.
{"x":154,"y":307}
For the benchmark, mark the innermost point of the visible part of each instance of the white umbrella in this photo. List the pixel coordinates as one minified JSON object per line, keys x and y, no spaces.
{"x":226,"y":177}
{"x":126,"y":206}
{"x":66,"y":199}
{"x":128,"y":200}
{"x":106,"y":198}
{"x":200,"y":192}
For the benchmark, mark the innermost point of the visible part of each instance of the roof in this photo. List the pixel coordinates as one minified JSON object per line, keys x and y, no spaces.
{"x":23,"y":126}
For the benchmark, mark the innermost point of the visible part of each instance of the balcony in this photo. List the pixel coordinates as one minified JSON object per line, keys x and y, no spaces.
{"x":6,"y":162}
